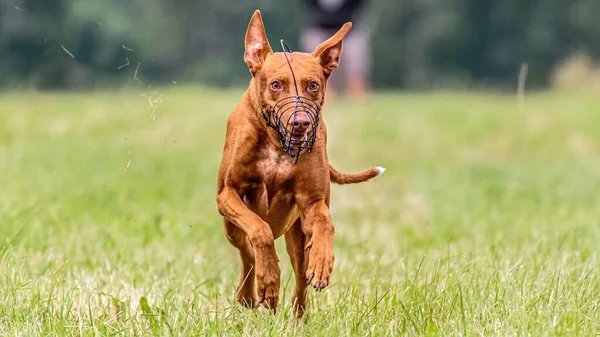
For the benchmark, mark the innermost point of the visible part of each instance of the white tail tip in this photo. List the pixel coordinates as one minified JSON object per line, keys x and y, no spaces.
{"x":380,"y":170}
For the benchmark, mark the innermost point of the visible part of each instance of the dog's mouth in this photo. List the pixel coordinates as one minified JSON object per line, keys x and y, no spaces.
{"x":294,"y":138}
{"x":298,"y":139}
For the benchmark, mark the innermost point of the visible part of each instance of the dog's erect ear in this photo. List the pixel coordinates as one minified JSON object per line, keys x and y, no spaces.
{"x":257,"y":45}
{"x":329,"y":52}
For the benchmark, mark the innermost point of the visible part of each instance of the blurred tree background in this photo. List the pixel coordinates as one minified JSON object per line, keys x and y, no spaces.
{"x":80,"y":44}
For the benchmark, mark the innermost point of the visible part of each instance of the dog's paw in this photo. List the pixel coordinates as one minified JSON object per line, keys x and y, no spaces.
{"x":267,"y":285}
{"x":247,"y":298}
{"x":320,"y":265}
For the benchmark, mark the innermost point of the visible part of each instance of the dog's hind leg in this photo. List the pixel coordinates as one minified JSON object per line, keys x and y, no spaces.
{"x":295,"y":240}
{"x":246,"y":293}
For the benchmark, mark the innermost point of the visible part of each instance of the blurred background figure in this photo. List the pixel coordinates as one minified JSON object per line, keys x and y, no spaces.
{"x":325,"y":17}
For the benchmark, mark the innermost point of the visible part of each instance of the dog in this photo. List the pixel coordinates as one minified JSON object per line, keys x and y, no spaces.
{"x":274,"y":177}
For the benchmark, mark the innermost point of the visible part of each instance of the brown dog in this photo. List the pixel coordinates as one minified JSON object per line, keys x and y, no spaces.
{"x":262,"y":192}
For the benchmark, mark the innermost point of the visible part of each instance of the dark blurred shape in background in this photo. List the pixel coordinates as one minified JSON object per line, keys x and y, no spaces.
{"x":415,"y":44}
{"x":325,"y":18}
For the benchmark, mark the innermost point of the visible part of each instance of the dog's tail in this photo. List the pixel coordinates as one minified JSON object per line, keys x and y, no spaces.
{"x":344,"y":179}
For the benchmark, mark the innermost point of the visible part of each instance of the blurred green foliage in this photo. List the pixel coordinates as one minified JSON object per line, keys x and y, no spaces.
{"x":415,"y":43}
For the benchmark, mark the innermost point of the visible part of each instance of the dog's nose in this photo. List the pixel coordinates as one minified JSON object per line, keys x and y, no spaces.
{"x":301,"y":121}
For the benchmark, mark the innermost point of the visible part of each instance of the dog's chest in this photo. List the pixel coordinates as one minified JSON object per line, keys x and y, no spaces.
{"x":274,"y":166}
{"x":272,"y":195}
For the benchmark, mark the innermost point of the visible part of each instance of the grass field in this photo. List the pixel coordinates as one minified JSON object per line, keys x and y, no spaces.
{"x":486,"y":222}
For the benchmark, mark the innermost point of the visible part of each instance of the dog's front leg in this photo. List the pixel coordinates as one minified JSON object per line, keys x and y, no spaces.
{"x":261,"y":237}
{"x":318,"y":227}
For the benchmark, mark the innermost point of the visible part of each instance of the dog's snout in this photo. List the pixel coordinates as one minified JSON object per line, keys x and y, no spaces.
{"x":301,"y":121}
{"x":304,"y":123}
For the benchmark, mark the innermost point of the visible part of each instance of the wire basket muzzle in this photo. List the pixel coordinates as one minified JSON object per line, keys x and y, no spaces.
{"x":296,"y":119}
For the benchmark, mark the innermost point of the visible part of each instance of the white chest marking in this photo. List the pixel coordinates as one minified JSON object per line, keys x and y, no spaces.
{"x":274,"y":164}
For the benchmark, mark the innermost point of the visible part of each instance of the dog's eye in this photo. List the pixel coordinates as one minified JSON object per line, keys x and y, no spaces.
{"x":276,"y":86}
{"x":313,"y":86}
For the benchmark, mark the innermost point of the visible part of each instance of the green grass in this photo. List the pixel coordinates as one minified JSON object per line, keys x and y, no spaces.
{"x":487,"y":221}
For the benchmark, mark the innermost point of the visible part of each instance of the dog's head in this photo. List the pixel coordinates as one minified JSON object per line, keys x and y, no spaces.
{"x":275,"y":82}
